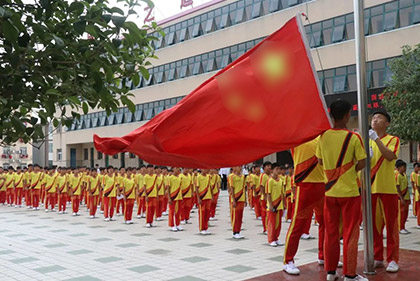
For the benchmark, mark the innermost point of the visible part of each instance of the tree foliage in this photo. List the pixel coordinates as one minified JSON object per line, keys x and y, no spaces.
{"x":58,"y":58}
{"x":402,"y":95}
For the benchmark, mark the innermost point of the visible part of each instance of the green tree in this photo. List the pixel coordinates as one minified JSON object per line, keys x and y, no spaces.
{"x":59,"y":57}
{"x":402,"y":95}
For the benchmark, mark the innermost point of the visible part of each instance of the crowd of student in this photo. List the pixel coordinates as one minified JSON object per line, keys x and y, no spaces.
{"x":325,"y":181}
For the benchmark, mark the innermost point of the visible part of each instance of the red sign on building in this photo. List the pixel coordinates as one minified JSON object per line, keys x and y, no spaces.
{"x":186,"y":3}
{"x":149,"y":16}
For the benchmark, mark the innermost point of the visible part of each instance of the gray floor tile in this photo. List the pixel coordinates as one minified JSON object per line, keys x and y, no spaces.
{"x":83,"y":278}
{"x":143,"y":268}
{"x":187,"y":278}
{"x":79,"y":252}
{"x":108,"y":259}
{"x":239,"y":268}
{"x":195,"y":259}
{"x":49,"y":269}
{"x":128,"y":245}
{"x":23,"y":260}
{"x":101,"y":239}
{"x":158,"y":252}
{"x":201,"y":245}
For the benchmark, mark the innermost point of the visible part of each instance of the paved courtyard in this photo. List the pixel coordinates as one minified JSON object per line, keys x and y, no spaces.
{"x":47,"y":246}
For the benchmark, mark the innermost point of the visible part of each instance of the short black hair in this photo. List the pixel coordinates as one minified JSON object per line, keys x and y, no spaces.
{"x":275,"y":165}
{"x":400,"y":163}
{"x":384,"y":113}
{"x":415,"y":165}
{"x":339,"y":109}
{"x":267,"y":163}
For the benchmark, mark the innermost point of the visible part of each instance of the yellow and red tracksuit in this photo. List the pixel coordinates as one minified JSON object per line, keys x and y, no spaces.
{"x":160,"y":183}
{"x":237,"y":186}
{"x":49,"y":184}
{"x":76,"y":191}
{"x":175,"y":195}
{"x":204,"y":193}
{"x":10,"y":194}
{"x":129,"y":185}
{"x":94,"y":187}
{"x":214,"y":183}
{"x":402,"y":182}
{"x":61,"y":186}
{"x":141,"y":202}
{"x":120,"y":202}
{"x":151,"y":193}
{"x":18,"y":183}
{"x":109,"y":195}
{"x":256,"y":194}
{"x":275,"y":189}
{"x":36,"y":179}
{"x":187,"y":195}
{"x":263,"y":202}
{"x":2,"y":189}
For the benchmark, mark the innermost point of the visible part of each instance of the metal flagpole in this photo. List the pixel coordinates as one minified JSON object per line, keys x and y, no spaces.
{"x":362,"y":100}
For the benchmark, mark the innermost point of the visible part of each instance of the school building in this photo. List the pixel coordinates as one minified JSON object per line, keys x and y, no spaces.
{"x":202,"y":40}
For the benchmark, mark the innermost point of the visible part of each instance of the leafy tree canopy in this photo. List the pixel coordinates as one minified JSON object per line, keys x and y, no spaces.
{"x":61,"y":57}
{"x":402,"y":96}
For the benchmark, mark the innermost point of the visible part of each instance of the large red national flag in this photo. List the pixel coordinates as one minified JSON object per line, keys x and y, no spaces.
{"x":268,"y":100}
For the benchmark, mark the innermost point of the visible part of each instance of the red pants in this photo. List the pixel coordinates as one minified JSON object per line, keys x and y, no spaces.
{"x":101,"y":200}
{"x":194,"y":200}
{"x":256,"y":205}
{"x":165,"y":204}
{"x":236,"y":216}
{"x":75,"y":203}
{"x":204,"y":214}
{"x":18,"y":196}
{"x":109,"y":206}
{"x":348,"y":209}
{"x":28,"y":197}
{"x":87,"y":198}
{"x":10,"y":195}
{"x":62,"y":201}
{"x":141,"y":205}
{"x":273,"y":225}
{"x":404,"y":213}
{"x":186,"y":207}
{"x":120,"y":203}
{"x":93,"y":204}
{"x":42,"y":194}
{"x":150,"y":209}
{"x":289,"y":206}
{"x":2,"y":196}
{"x":35,"y":197}
{"x":81,"y":196}
{"x":418,"y":212}
{"x":250,"y":199}
{"x":159,"y":203}
{"x":50,"y":199}
{"x":385,"y":209}
{"x":174,"y":213}
{"x":214,"y":205}
{"x":309,"y":197}
{"x":128,"y":212}
{"x":263,"y":210}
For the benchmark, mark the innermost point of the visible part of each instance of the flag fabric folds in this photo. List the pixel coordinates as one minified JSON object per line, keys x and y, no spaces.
{"x":267,"y":100}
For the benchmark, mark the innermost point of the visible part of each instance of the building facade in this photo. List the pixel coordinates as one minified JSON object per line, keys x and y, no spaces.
{"x":17,"y":155}
{"x":203,"y":40}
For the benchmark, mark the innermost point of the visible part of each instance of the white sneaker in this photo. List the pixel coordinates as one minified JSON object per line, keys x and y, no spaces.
{"x":16,"y":206}
{"x":418,"y":227}
{"x":321,"y":262}
{"x":46,"y":210}
{"x":37,"y":208}
{"x":106,"y":219}
{"x":259,"y":218}
{"x":139,"y":216}
{"x":289,"y":220}
{"x":378,"y":264}
{"x":291,"y":269}
{"x":64,"y":212}
{"x":203,"y":232}
{"x":404,"y":231}
{"x":174,"y":229}
{"x":264,"y":232}
{"x":143,"y":215}
{"x":148,"y":225}
{"x":112,"y":219}
{"x":340,"y":264}
{"x":238,"y":236}
{"x":332,"y":277}
{"x":357,"y":278}
{"x":179,"y":228}
{"x":74,"y":214}
{"x":128,"y":222}
{"x":101,"y":212}
{"x":118,"y":214}
{"x":159,"y":219}
{"x":188,"y":222}
{"x":92,"y":217}
{"x":77,"y":214}
{"x":273,"y":244}
{"x":164,"y":213}
{"x":29,"y":207}
{"x":279,"y":243}
{"x":183,"y":223}
{"x":392,"y":267}
{"x":361,"y":227}
{"x":306,"y":236}
{"x":60,"y":212}
{"x":53,"y":210}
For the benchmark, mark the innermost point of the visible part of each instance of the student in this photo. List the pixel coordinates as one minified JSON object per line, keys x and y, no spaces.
{"x":62,"y":190}
{"x":129,"y":192}
{"x":50,"y":187}
{"x":75,"y":187}
{"x":93,"y":187}
{"x":309,"y":194}
{"x":341,"y":154}
{"x":150,"y":195}
{"x":110,"y":187}
{"x":166,"y":174}
{"x":141,"y":203}
{"x":403,"y":193}
{"x":187,"y":195}
{"x":27,"y":186}
{"x":384,"y":149}
{"x":2,"y":187}
{"x":120,"y":200}
{"x":236,"y":184}
{"x":18,"y":185}
{"x":160,"y":183}
{"x":204,"y":195}
{"x":274,"y":191}
{"x":263,"y":202}
{"x":413,"y":180}
{"x":10,"y":186}
{"x":215,"y":185}
{"x":256,"y":193}
{"x":174,"y":193}
{"x":36,"y":179}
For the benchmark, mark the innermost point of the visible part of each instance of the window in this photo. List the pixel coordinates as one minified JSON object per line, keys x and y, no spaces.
{"x":340,"y":83}
{"x":197,"y":68}
{"x":224,"y":21}
{"x":390,"y":21}
{"x":59,"y":154}
{"x":274,"y":6}
{"x":171,"y":74}
{"x":256,"y":10}
{"x":338,"y":33}
{"x":416,"y":14}
{"x":316,"y":39}
{"x":293,"y":2}
{"x":115,"y":156}
{"x":210,"y":25}
{"x":183,"y":72}
{"x":240,"y":15}
{"x":196,"y":30}
{"x":100,"y":155}
{"x":211,"y":65}
{"x":160,"y":77}
{"x":85,"y":154}
{"x":138,"y":115}
{"x":377,"y":24}
{"x":150,"y":81}
{"x":120,"y":118}
{"x":128,"y":117}
{"x":111,"y":119}
{"x":183,"y":35}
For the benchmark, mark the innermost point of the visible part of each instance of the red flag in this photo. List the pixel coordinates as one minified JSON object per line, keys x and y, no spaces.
{"x":268,"y":100}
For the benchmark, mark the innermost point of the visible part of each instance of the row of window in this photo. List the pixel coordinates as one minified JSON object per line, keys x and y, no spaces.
{"x":322,"y":33}
{"x":380,"y":18}
{"x":220,"y":18}
{"x":333,"y":81}
{"x":145,"y":111}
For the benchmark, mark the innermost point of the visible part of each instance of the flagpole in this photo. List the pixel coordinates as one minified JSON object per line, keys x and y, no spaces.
{"x":362,"y":100}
